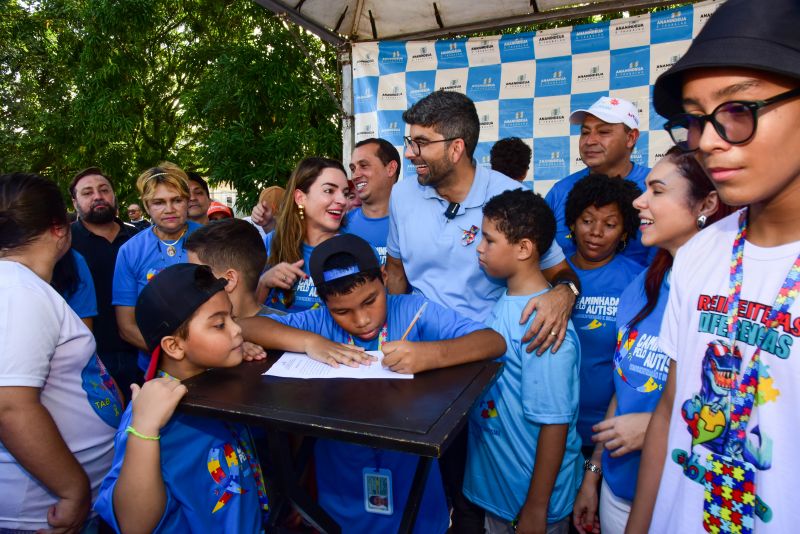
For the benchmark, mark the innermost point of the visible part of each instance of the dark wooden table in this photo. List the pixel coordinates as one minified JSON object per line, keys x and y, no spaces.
{"x":419,"y":416}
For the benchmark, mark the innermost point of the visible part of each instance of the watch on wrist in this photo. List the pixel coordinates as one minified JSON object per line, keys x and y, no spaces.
{"x":594,"y":468}
{"x":571,"y":286}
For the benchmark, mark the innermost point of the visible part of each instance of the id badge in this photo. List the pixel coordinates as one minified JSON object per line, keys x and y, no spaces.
{"x":378,"y":491}
{"x":730,"y":495}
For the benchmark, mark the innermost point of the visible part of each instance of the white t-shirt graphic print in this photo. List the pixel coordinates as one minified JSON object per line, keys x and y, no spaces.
{"x":694,"y":334}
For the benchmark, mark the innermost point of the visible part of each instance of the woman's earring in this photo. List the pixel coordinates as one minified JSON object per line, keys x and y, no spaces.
{"x":701,"y":222}
{"x":300,"y":211}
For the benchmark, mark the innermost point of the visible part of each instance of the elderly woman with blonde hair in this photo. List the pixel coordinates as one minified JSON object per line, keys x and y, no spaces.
{"x":165,"y":195}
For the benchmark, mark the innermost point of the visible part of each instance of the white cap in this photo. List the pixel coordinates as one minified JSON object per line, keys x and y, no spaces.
{"x":611,"y":110}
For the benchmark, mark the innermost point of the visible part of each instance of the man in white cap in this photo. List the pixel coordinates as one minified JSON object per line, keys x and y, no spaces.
{"x":609,"y":131}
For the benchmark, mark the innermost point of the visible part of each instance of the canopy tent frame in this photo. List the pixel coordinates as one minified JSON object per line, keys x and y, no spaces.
{"x":292,"y":10}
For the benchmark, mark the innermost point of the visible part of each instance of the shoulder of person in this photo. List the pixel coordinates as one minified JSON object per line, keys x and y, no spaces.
{"x":714,"y":243}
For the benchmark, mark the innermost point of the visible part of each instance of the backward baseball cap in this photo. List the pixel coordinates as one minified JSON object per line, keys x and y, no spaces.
{"x":168,"y":300}
{"x":760,"y":35}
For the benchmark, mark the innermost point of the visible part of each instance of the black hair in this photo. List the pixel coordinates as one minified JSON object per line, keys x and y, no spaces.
{"x":449,"y":113}
{"x":65,"y":278}
{"x":29,"y":206}
{"x":196,"y":178}
{"x":520,"y":214}
{"x":511,"y":156}
{"x":385,"y":151}
{"x":230,"y":244}
{"x":86,"y":172}
{"x":345,"y":284}
{"x":600,"y":190}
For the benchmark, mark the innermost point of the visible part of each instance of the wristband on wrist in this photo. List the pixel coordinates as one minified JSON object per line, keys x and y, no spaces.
{"x":131,"y":430}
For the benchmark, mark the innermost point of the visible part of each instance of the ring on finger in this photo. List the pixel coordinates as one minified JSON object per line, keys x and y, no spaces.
{"x":285,"y":278}
{"x":553,"y":333}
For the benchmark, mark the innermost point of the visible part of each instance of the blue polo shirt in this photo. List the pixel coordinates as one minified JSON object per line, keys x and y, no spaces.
{"x":340,"y":465}
{"x":373,"y":231}
{"x":557,"y":200}
{"x":594,"y":317}
{"x":644,"y":367}
{"x":141,"y":258}
{"x":438,"y":254}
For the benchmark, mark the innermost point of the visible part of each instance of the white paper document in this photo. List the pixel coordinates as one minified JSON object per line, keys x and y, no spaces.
{"x":296,"y":365}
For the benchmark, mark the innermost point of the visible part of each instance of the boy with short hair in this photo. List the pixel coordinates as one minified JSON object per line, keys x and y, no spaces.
{"x":359,"y":316}
{"x":175,"y":472}
{"x":235,"y":251}
{"x":523,"y":460}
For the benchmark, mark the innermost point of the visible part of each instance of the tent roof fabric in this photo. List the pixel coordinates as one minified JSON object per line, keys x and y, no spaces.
{"x":341,"y":21}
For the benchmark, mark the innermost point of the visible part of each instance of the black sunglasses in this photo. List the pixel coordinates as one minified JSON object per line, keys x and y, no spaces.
{"x":734,"y":121}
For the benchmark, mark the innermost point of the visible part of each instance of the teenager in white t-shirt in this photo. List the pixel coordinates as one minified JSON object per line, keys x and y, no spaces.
{"x":59,"y":408}
{"x":715,"y":478}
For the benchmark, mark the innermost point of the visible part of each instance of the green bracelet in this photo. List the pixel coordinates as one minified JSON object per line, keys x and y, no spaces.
{"x":131,"y":430}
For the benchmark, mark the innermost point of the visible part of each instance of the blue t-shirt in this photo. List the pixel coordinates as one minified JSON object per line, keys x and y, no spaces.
{"x":504,"y":425}
{"x":139,"y":260}
{"x":84,"y":300}
{"x":305,"y":292}
{"x":373,"y":231}
{"x":438,"y":254}
{"x":340,"y":465}
{"x":557,"y":200}
{"x":644,"y":367}
{"x":207,"y":476}
{"x":594,"y":317}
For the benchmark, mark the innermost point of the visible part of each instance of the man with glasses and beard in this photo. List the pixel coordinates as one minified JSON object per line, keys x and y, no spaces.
{"x":97,"y":235}
{"x":434,"y":231}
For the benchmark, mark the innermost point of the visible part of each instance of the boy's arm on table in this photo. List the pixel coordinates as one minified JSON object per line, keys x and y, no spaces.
{"x":415,"y":357}
{"x":28,"y":432}
{"x":140,"y":496}
{"x":549,"y":454}
{"x":653,"y":454}
{"x":272,"y":334}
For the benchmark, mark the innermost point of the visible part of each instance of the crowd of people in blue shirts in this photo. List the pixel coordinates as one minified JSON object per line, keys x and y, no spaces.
{"x":648,"y":384}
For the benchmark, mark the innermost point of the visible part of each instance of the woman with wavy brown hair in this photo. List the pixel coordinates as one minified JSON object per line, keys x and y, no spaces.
{"x":312,"y":211}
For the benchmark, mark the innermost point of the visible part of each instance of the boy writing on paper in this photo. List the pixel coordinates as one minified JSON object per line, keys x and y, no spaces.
{"x":523,"y":456}
{"x":360,"y":316}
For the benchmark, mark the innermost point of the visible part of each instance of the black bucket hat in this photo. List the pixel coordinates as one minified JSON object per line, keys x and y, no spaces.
{"x":754,"y":34}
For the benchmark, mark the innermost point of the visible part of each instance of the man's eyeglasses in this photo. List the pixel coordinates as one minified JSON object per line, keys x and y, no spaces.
{"x":734,"y":121}
{"x":416,"y":146}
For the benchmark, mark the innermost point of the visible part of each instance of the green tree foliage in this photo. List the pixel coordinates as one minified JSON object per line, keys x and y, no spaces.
{"x":216,"y":86}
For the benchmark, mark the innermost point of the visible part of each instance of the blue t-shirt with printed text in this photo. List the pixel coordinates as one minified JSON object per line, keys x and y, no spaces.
{"x":305,"y":292}
{"x":207,"y":475}
{"x":340,"y":465}
{"x":557,"y":200}
{"x":140,"y":259}
{"x":644,"y":367}
{"x":594,"y":316}
{"x":505,"y":423}
{"x":372,"y":230}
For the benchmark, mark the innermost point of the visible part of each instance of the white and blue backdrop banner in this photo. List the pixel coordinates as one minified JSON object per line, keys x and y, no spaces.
{"x":527,"y":84}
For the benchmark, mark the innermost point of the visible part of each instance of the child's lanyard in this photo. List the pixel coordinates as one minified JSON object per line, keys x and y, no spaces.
{"x":383,"y":337}
{"x":252,"y":460}
{"x":746,"y":387}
